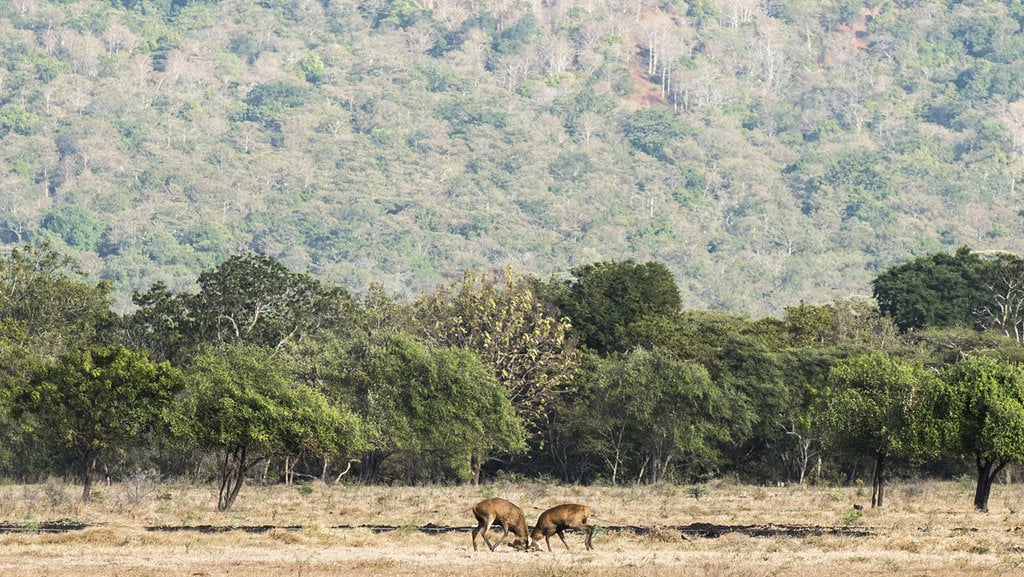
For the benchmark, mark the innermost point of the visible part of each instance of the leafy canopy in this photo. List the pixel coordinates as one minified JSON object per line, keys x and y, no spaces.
{"x":97,"y":400}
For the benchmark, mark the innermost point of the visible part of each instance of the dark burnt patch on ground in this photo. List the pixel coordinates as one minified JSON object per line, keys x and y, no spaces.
{"x":58,"y":526}
{"x":693,"y":530}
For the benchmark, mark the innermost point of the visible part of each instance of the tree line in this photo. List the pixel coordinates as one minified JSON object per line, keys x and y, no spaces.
{"x":599,"y":376}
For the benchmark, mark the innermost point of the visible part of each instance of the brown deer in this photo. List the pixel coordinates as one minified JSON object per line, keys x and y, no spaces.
{"x":559,"y":518}
{"x":507,"y":515}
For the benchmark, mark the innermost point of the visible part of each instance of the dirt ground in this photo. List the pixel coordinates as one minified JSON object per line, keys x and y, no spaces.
{"x":316,"y":530}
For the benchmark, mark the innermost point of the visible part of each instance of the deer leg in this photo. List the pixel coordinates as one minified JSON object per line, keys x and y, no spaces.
{"x":475,"y":532}
{"x":487,"y":527}
{"x":503,"y":536}
{"x":561,"y":535}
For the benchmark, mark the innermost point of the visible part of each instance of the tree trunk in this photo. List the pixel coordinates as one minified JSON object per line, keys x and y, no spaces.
{"x":87,"y":465}
{"x":987,"y":473}
{"x":232,"y":478}
{"x":345,"y":472}
{"x":198,"y":471}
{"x":878,"y":482}
{"x":371,"y":463}
{"x":475,"y":466}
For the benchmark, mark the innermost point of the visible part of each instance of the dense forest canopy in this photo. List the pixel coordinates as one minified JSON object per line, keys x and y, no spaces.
{"x":766,"y":152}
{"x":263,"y":373}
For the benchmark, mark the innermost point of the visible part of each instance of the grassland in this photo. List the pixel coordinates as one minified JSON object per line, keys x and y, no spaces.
{"x":926,"y":528}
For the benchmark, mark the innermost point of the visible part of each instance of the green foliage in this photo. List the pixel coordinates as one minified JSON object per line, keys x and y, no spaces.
{"x":267,"y":102}
{"x":97,"y":401}
{"x":247,"y":298}
{"x":851,"y":322}
{"x":359,"y":101}
{"x":653,"y":131}
{"x":660,"y":418}
{"x":17,"y":120}
{"x":517,"y":37}
{"x":312,"y":67}
{"x":879,"y":406}
{"x":395,"y":13}
{"x":243,"y":401}
{"x":938,"y":290}
{"x":884,"y":408}
{"x":433,"y":141}
{"x":74,"y":225}
{"x":499,"y":318}
{"x":49,"y":294}
{"x":985,"y":417}
{"x":419,"y":401}
{"x":702,"y":11}
{"x":851,"y":517}
{"x":605,"y":299}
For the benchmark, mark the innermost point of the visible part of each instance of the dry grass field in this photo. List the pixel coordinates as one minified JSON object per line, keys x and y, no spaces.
{"x":927,"y":528}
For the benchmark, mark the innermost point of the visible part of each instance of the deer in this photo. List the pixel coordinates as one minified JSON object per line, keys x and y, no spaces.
{"x":559,"y":518}
{"x":506,"y":514}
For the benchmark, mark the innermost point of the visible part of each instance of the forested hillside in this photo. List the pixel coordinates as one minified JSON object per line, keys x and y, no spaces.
{"x":766,"y":152}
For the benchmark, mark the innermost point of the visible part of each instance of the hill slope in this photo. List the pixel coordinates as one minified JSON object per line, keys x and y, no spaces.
{"x":766,"y":152}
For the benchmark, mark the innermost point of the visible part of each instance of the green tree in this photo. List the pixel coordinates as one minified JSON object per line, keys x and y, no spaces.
{"x":97,"y":401}
{"x":266,"y":103}
{"x":937,"y":348}
{"x":312,"y":67}
{"x":244,"y":402}
{"x":438,"y":403}
{"x":49,"y":294}
{"x":839,"y":323}
{"x":247,"y":298}
{"x":16,"y":119}
{"x":805,"y":371}
{"x":653,"y":130}
{"x":19,"y":451}
{"x":74,"y":225}
{"x":660,"y":415}
{"x":882,"y":407}
{"x":605,"y":299}
{"x":986,"y":417}
{"x":938,"y":290}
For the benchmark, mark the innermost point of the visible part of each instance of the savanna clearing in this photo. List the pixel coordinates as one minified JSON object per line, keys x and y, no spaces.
{"x":313,"y":530}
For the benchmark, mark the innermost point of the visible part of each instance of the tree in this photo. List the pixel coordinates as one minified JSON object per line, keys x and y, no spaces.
{"x":441,"y":403}
{"x":246,"y":299}
{"x":605,"y":299}
{"x":47,"y":292}
{"x":938,"y":290}
{"x":244,"y":402}
{"x":266,"y":103}
{"x":985,"y":406}
{"x":1004,"y":278}
{"x":19,"y":358}
{"x":805,"y":371}
{"x":653,"y":130}
{"x":97,"y":401}
{"x":839,"y":323}
{"x":74,"y":225}
{"x":501,"y":320}
{"x":882,"y":407}
{"x":664,"y":414}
